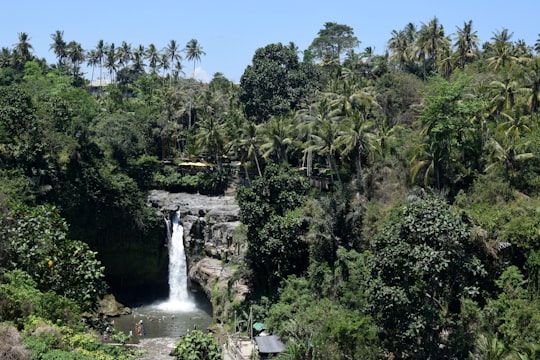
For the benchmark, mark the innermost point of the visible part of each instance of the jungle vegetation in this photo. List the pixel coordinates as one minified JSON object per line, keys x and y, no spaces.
{"x":390,"y":201}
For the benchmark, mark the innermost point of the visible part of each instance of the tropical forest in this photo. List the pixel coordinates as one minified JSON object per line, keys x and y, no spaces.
{"x":389,"y":204}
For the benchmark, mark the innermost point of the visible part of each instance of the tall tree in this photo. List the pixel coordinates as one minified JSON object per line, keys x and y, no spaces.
{"x":101,"y":49}
{"x":277,"y":135}
{"x":431,"y":44}
{"x":276,"y":83}
{"x":211,"y":137}
{"x":59,"y":46}
{"x":23,"y":47}
{"x":138,"y":59}
{"x":332,"y":41}
{"x":500,"y":49}
{"x":172,"y":51}
{"x":152,"y":55}
{"x":111,"y":61}
{"x":466,"y":44}
{"x":76,"y":55}
{"x":402,"y":45}
{"x":124,"y":54}
{"x":194,"y":51}
{"x":423,"y":268}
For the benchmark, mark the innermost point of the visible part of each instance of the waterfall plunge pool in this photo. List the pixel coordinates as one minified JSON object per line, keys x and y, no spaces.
{"x":183,"y":311}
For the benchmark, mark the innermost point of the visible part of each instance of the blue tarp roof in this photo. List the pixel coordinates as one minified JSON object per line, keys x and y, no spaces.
{"x":269,"y":344}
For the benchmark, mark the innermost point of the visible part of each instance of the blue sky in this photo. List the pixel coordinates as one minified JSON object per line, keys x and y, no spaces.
{"x":231,"y":31}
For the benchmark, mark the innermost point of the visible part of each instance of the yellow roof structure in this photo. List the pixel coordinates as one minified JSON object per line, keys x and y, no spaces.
{"x":198,"y":163}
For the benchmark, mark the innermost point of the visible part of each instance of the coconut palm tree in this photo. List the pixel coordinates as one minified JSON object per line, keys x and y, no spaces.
{"x":211,"y":137}
{"x":59,"y":47}
{"x":431,"y":44}
{"x":244,"y":141}
{"x":124,"y":54}
{"x":466,"y":44}
{"x":100,"y":56}
{"x":531,"y":82}
{"x":308,"y":121}
{"x":172,"y":52}
{"x":358,"y":140}
{"x":76,"y":55}
{"x":23,"y":47}
{"x":277,"y":135}
{"x":505,"y":153}
{"x":504,"y":93}
{"x":194,"y":51}
{"x":6,"y":59}
{"x":401,"y":46}
{"x":324,"y":142}
{"x":152,"y":55}
{"x":501,"y":49}
{"x":111,"y":60}
{"x":138,"y":59}
{"x":92,"y":61}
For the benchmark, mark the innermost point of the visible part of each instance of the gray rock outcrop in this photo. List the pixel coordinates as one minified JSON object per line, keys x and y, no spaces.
{"x":212,"y":250}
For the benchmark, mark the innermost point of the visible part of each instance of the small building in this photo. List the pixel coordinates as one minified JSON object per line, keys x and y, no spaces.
{"x":268,"y":346}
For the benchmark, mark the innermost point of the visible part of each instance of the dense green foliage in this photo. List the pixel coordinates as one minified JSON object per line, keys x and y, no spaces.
{"x":197,"y":346}
{"x":390,"y":202}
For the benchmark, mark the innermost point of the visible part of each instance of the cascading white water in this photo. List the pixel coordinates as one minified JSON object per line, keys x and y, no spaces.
{"x":179,"y":297}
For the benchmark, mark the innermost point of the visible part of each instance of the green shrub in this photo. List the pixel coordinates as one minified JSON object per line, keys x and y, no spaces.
{"x":197,"y":346}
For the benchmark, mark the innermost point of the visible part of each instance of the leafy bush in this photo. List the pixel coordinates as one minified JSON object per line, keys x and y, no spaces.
{"x":197,"y":346}
{"x":36,"y":237}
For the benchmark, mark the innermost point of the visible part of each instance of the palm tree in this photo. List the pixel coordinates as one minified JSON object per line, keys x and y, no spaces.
{"x":505,"y":154}
{"x":6,"y":60}
{"x":211,"y":137}
{"x":308,"y":121}
{"x":466,"y":44}
{"x":138,"y":59}
{"x":501,"y":49}
{"x":172,"y":52}
{"x":514,"y":126}
{"x":152,"y":55}
{"x":92,"y":61}
{"x":111,"y":60}
{"x":357,"y":139}
{"x":76,"y":55}
{"x":99,"y":56}
{"x":277,"y":135}
{"x":164,"y":64}
{"x":244,"y":141}
{"x":324,"y":142}
{"x":24,"y":47}
{"x":504,"y":93}
{"x":401,"y":46}
{"x":531,"y":77}
{"x":59,"y":46}
{"x":124,"y":54}
{"x":431,"y":43}
{"x":489,"y":349}
{"x":537,"y":45}
{"x":193,"y":53}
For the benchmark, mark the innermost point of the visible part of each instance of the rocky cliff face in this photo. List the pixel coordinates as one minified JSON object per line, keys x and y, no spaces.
{"x":212,"y":252}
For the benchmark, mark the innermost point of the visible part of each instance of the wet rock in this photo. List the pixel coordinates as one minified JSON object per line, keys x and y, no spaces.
{"x":209,"y":224}
{"x":110,"y":307}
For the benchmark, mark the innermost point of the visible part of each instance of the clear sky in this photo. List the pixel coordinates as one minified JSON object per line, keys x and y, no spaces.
{"x":231,"y":31}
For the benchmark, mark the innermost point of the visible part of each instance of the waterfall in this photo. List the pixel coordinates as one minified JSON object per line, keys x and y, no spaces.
{"x":179,"y":297}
